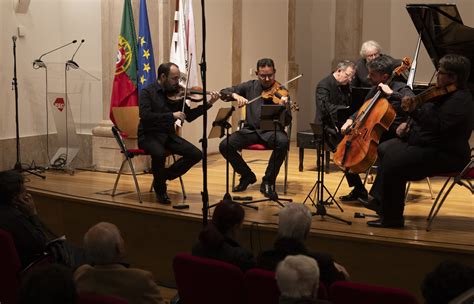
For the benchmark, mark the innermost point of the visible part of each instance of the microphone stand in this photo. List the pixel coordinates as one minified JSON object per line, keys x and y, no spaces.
{"x":18,"y":167}
{"x":203,"y":66}
{"x":38,"y":64}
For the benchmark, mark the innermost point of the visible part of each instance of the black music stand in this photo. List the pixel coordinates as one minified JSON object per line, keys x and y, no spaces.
{"x":319,"y":187}
{"x":272,"y":117}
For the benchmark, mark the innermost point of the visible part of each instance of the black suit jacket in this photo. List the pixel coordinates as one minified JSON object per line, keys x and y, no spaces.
{"x":331,"y":100}
{"x":156,"y":111}
{"x":286,"y":246}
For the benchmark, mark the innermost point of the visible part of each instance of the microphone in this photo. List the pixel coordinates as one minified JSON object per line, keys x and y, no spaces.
{"x":38,"y":63}
{"x":71,"y":63}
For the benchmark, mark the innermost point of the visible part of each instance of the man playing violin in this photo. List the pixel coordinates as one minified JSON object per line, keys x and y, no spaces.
{"x":156,"y":131}
{"x":251,"y":133}
{"x":436,"y":142}
{"x":380,"y":69}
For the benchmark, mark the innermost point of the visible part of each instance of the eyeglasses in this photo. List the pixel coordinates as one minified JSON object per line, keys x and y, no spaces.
{"x":265,"y":76}
{"x":374,"y":55}
{"x":349,"y":75}
{"x":441,"y":72}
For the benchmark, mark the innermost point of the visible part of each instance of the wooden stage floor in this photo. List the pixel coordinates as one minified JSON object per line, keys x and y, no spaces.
{"x":154,"y":233}
{"x":452,"y":229}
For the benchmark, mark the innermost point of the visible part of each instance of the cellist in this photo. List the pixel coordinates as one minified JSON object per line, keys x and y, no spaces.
{"x":436,"y":142}
{"x":380,"y":69}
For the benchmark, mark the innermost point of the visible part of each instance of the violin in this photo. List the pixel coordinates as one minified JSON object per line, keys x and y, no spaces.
{"x":409,"y":104}
{"x":276,"y":92}
{"x":195,"y":94}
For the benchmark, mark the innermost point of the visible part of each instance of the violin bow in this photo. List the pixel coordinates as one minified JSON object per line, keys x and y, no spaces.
{"x":179,"y":122}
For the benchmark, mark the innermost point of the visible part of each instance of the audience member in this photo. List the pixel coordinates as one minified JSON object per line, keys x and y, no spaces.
{"x":446,"y":282}
{"x":108,"y":276}
{"x":219,"y":239}
{"x":52,"y":284}
{"x":18,"y":217}
{"x":298,"y":280}
{"x":294,"y":223}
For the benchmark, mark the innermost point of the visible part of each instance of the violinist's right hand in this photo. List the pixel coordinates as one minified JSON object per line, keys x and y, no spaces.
{"x":241,"y":101}
{"x":346,"y":125}
{"x":179,"y":115}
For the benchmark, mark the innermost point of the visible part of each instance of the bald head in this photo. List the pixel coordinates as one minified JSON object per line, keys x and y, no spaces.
{"x":104,"y":244}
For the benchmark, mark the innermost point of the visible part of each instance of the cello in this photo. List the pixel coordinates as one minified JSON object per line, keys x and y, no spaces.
{"x":357,"y":151}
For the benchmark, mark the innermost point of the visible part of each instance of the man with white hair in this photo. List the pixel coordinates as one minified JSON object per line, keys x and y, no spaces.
{"x":105,"y":247}
{"x":368,"y":52}
{"x":298,"y":280}
{"x":294,"y":223}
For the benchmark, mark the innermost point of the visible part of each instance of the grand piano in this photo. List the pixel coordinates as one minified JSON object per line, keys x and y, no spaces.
{"x":442,"y":31}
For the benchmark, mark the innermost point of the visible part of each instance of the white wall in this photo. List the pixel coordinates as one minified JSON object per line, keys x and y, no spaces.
{"x":218,"y":57}
{"x":47,"y":25}
{"x":315,"y":29}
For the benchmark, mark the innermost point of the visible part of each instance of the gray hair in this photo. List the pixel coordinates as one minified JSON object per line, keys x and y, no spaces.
{"x":344,"y":64}
{"x":104,"y":244}
{"x":294,"y":221}
{"x":370,"y":44}
{"x":298,"y":276}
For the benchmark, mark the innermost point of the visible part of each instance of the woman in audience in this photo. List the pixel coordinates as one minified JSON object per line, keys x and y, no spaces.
{"x":31,"y":237}
{"x":298,"y":280}
{"x":219,"y":239}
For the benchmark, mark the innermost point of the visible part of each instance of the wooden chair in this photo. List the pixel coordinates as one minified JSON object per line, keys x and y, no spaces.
{"x":127,"y":119}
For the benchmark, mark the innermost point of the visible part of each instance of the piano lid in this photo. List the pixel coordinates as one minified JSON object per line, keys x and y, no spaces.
{"x":443,"y":32}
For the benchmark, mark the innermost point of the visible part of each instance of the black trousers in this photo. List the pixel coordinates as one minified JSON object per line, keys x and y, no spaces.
{"x":158,"y":145}
{"x":353,"y":179}
{"x":239,"y":140}
{"x":400,"y":163}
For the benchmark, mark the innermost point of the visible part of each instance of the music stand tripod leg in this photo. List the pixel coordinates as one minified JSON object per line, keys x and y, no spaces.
{"x":319,"y":184}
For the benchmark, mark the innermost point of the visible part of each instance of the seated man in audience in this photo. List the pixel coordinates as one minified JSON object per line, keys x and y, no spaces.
{"x":294,"y":223}
{"x":50,"y":284}
{"x":105,"y":247}
{"x":219,"y":239}
{"x":448,"y":281}
{"x":31,"y":237}
{"x":298,"y":280}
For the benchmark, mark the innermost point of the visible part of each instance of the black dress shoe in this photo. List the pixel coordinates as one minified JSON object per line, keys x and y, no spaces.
{"x":163,"y":198}
{"x":384,"y":223}
{"x":245,"y":181}
{"x":354,"y":195}
{"x":268,"y":190}
{"x":371,"y":204}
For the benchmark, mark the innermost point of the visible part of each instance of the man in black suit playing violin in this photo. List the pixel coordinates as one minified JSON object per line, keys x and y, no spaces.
{"x":156,"y":131}
{"x":380,"y":70}
{"x":251,"y":133}
{"x":436,"y":142}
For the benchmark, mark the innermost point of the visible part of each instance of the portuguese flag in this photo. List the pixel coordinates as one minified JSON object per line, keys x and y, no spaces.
{"x":124,"y":90}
